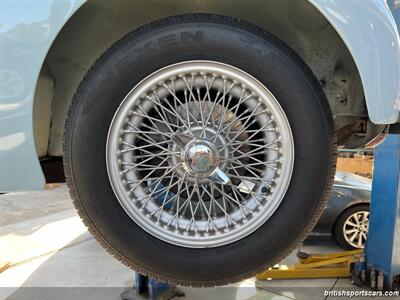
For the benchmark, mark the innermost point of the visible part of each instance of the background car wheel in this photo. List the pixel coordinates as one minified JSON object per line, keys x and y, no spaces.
{"x":351,"y":228}
{"x":190,"y":147}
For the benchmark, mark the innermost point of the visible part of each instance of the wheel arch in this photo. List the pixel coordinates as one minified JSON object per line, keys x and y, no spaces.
{"x":77,"y":27}
{"x":77,"y":46}
{"x":372,"y":37}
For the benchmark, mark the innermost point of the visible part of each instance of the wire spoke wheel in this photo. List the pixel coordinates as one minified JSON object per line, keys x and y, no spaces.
{"x":355,"y":229}
{"x":204,"y":142}
{"x":200,"y":154}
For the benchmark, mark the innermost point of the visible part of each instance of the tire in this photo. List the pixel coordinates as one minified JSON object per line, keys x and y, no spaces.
{"x":240,"y":48}
{"x":340,"y":227}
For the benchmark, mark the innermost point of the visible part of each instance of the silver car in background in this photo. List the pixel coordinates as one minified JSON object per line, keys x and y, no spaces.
{"x":347,"y":212}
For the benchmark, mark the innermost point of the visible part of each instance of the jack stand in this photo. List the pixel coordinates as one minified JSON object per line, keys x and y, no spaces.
{"x":328,"y":265}
{"x":380,"y":267}
{"x":151,"y":289}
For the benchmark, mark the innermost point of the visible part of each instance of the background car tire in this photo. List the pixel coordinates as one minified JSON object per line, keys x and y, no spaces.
{"x":224,"y":40}
{"x":338,"y":231}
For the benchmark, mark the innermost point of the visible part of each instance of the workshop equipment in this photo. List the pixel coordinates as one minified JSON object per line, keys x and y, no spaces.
{"x":382,"y":251}
{"x":379,"y":265}
{"x":315,"y":266}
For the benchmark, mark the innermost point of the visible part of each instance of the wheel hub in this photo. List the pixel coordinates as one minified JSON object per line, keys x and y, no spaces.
{"x":200,"y":158}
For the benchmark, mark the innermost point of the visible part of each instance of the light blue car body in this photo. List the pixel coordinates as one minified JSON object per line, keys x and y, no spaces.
{"x":28,"y":29}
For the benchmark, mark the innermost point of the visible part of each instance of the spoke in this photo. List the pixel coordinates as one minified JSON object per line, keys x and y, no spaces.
{"x":260,"y":129}
{"x":134,"y":165}
{"x":359,"y":243}
{"x":155,"y":188}
{"x":148,"y":175}
{"x":142,"y":132}
{"x":353,"y":236}
{"x":165,"y":152}
{"x":151,"y":155}
{"x":207,"y":96}
{"x":179,"y":101}
{"x":190,"y":89}
{"x":265,"y":163}
{"x":232,"y":200}
{"x":171,"y":112}
{"x":236,"y":159}
{"x":236,"y":107}
{"x":179,"y":208}
{"x":249,"y":169}
{"x":205,"y":208}
{"x":133,"y":147}
{"x":223,"y":208}
{"x":245,"y":126}
{"x":351,"y":223}
{"x":266,"y":146}
{"x":178,"y":197}
{"x":365,"y":217}
{"x":217,"y":101}
{"x":175,"y":103}
{"x":239,"y":142}
{"x":163,"y":116}
{"x":222,"y":119}
{"x":355,"y":218}
{"x":148,"y":178}
{"x":155,"y":130}
{"x":201,"y":107}
{"x":236,"y":120}
{"x":156,"y":120}
{"x":239,"y":118}
{"x":188,"y":114}
{"x":247,"y":165}
{"x":249,"y":153}
{"x":161,"y":208}
{"x":145,"y":132}
{"x":211,"y":205}
{"x":192,"y":219}
{"x":192,"y":96}
{"x":350,"y":231}
{"x":151,"y":167}
{"x":152,"y":143}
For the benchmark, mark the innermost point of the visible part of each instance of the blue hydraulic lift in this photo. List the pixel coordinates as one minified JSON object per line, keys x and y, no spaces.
{"x":382,"y":251}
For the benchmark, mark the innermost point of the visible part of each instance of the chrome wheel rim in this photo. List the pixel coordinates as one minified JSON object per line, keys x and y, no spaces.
{"x":200,"y":154}
{"x":355,"y":229}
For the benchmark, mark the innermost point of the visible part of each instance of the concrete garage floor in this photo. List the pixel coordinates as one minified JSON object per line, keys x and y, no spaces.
{"x":54,"y":257}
